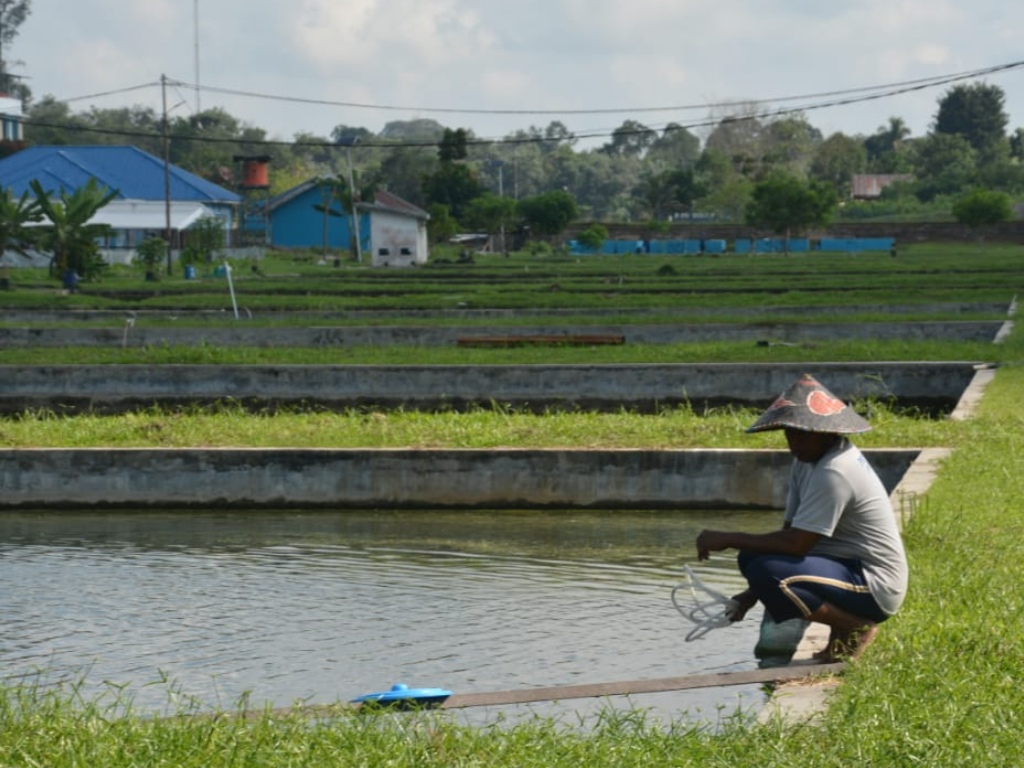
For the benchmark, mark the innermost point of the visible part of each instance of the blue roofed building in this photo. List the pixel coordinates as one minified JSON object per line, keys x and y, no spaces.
{"x":141,"y":208}
{"x":392,"y":231}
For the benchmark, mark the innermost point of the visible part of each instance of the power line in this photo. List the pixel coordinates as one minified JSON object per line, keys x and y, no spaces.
{"x":117,"y":92}
{"x":850,"y":96}
{"x":910,"y":84}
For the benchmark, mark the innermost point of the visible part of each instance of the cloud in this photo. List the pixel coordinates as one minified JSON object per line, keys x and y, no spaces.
{"x":374,"y":35}
{"x":525,"y":55}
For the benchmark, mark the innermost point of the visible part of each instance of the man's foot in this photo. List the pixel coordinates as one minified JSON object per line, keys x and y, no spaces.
{"x":847,"y":646}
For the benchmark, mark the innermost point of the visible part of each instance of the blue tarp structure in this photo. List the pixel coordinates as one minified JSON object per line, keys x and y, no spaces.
{"x":855,"y":244}
{"x":740,"y":245}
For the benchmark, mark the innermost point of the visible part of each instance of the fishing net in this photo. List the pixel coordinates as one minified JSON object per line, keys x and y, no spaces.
{"x":706,"y":608}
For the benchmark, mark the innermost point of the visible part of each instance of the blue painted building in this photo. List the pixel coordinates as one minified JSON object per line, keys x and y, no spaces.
{"x":139,"y":211}
{"x":392,"y":231}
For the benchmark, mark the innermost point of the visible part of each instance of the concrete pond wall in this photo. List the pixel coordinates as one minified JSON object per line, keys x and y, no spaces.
{"x":338,"y":479}
{"x":283,"y":478}
{"x":135,"y":334}
{"x":930,"y":386}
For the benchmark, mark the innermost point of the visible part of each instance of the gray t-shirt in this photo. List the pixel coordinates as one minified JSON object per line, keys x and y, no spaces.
{"x":840,"y":497}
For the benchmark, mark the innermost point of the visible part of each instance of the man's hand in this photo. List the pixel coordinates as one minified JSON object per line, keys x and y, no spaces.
{"x":744,"y":601}
{"x":711,"y":541}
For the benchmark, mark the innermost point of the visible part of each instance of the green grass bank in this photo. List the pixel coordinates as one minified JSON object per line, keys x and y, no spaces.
{"x":941,"y":686}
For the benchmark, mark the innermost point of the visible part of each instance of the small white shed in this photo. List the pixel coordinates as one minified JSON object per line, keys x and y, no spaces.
{"x":398,"y":231}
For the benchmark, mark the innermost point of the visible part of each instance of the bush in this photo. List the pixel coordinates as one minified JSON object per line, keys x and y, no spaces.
{"x":981,"y":207}
{"x":593,"y":237}
{"x":151,"y":254}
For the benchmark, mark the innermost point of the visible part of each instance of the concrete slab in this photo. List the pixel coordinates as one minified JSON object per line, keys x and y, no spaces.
{"x":133,"y":334}
{"x":409,"y":479}
{"x":933,"y":387}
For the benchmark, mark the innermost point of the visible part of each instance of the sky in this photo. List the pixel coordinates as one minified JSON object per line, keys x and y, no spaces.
{"x":499,"y":66}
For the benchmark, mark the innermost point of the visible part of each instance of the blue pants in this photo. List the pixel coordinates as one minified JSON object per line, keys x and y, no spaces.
{"x":795,"y":586}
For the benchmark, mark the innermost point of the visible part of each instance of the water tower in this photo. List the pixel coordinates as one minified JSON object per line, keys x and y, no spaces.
{"x":254,"y":186}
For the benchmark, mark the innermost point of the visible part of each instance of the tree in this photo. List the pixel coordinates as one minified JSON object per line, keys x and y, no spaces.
{"x":675,"y":148}
{"x":739,"y":136}
{"x":549,"y":213}
{"x":836,"y":160}
{"x":982,"y":207}
{"x":151,"y":254}
{"x":885,"y":147}
{"x":15,"y":215}
{"x":349,"y":132}
{"x":453,"y":145}
{"x":441,"y":227}
{"x":1017,"y":144}
{"x":785,"y":204}
{"x":593,"y":237}
{"x":723,"y":189}
{"x":203,"y":240}
{"x":671,"y":192}
{"x":69,"y":236}
{"x":421,"y":129}
{"x":453,"y":185}
{"x":944,"y":164}
{"x":491,"y":214}
{"x":658,"y":194}
{"x":789,"y":143}
{"x":51,"y":122}
{"x":402,"y":171}
{"x":12,"y":15}
{"x":555,"y":135}
{"x":975,"y":112}
{"x":631,"y":138}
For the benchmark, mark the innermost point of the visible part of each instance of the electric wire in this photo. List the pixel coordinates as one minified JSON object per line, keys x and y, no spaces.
{"x":849,"y":96}
{"x":926,"y":82}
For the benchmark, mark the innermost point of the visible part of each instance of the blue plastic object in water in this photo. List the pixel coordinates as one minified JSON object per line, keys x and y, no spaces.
{"x":403,"y":696}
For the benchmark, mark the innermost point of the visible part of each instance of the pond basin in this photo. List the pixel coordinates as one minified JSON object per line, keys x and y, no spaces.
{"x":205,"y":608}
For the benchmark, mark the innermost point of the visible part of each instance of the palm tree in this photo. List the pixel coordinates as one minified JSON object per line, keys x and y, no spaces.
{"x":69,"y":236}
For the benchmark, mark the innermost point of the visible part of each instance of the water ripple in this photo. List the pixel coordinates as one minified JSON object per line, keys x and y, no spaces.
{"x":315,"y":612}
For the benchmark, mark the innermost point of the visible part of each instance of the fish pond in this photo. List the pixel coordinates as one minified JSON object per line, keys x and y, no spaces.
{"x":204,"y":610}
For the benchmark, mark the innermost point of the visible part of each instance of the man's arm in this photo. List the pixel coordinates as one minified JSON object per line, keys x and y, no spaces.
{"x":786,"y":541}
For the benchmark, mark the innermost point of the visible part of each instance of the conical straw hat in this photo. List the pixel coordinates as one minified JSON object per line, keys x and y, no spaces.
{"x":809,"y":407}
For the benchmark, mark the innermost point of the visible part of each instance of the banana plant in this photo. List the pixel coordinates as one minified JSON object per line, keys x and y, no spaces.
{"x":69,"y":236}
{"x":15,"y":216}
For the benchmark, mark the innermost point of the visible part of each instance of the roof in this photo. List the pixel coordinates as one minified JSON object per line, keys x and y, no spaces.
{"x":135,"y":174}
{"x":150,"y":214}
{"x":290,"y":194}
{"x":870,"y":185}
{"x":383,"y":201}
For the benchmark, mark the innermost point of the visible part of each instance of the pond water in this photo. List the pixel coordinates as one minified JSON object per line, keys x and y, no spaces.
{"x":321,"y":607}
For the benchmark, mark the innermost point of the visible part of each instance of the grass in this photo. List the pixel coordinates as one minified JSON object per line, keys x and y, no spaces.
{"x":950,"y":272}
{"x":862,"y":350}
{"x":940,"y":687}
{"x":233,"y":426}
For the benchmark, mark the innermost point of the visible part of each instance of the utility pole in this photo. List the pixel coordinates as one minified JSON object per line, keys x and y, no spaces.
{"x":501,"y":194}
{"x":199,"y":108}
{"x":167,"y":172}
